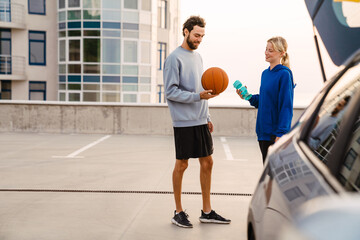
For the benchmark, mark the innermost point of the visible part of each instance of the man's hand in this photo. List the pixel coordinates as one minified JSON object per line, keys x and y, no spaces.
{"x":207,"y":94}
{"x":211,"y":127}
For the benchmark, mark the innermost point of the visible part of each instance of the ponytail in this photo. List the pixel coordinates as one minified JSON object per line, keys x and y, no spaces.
{"x":285,"y":60}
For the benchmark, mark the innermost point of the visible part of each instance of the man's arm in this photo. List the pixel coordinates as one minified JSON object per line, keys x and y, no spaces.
{"x":172,"y":81}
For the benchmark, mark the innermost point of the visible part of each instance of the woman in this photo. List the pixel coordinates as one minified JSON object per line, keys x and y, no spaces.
{"x":275,"y":100}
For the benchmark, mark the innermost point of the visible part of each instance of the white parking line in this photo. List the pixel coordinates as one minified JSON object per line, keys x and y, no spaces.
{"x":227,"y":151}
{"x":74,"y":154}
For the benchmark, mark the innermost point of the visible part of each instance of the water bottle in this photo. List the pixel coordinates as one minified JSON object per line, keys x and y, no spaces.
{"x":244,"y":92}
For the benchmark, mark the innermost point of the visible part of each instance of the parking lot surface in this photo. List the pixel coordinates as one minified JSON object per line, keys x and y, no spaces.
{"x":92,"y":186}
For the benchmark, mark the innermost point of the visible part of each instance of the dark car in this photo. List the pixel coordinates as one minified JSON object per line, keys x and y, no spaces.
{"x":319,"y":159}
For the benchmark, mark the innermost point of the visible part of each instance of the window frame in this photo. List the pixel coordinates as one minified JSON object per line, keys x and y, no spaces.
{"x":343,"y":142}
{"x":42,"y":91}
{"x":37,"y":13}
{"x":44,"y":41}
{"x":10,"y":55}
{"x":162,"y":14}
{"x":5,"y":90}
{"x":6,"y":11}
{"x":337,"y":157}
{"x":162,"y":49}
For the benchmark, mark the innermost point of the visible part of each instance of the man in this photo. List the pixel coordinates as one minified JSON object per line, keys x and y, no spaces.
{"x":188,"y":105}
{"x":327,"y":124}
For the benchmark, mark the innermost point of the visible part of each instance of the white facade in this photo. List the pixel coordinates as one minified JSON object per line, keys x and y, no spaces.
{"x":86,"y":50}
{"x":108,"y":50}
{"x":21,"y":23}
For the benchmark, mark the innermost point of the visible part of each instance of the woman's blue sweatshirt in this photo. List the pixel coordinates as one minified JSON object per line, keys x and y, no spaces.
{"x":274,"y":103}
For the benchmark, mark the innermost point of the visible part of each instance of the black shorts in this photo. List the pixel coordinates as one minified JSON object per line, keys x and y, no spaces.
{"x":193,"y":142}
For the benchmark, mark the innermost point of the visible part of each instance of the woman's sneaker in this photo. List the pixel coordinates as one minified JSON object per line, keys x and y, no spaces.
{"x":213,"y":217}
{"x":181,"y":220}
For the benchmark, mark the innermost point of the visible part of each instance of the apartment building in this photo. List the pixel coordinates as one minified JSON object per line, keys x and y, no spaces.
{"x":28,"y":49}
{"x":86,"y":50}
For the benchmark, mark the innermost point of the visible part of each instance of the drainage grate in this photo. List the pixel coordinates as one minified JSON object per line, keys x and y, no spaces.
{"x":119,"y":191}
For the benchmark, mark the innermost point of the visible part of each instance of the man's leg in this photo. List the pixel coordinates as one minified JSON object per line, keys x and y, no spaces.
{"x":207,"y":214}
{"x":206,"y":164}
{"x":179,"y":169}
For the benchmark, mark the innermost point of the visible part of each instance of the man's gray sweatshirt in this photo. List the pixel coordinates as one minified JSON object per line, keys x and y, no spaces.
{"x":182,"y":81}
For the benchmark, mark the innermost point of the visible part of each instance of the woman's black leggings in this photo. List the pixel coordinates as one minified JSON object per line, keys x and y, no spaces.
{"x":264,"y":145}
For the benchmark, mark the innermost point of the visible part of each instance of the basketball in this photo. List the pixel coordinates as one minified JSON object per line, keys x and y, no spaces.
{"x":215,"y":79}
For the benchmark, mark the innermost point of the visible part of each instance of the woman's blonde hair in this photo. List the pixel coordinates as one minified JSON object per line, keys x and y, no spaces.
{"x":280,"y":45}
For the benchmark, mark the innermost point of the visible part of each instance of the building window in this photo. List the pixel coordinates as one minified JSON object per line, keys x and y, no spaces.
{"x":5,"y":93}
{"x":61,"y":4}
{"x":91,"y":4}
{"x":37,"y":90}
{"x":74,"y":3}
{"x":161,"y":94}
{"x":5,"y":51}
{"x":111,"y":4}
{"x":161,"y":54}
{"x":162,"y":14}
{"x":111,"y":50}
{"x":91,"y":51}
{"x":74,"y":96}
{"x":37,"y":48}
{"x":350,"y":159}
{"x":62,"y":51}
{"x":74,"y":15}
{"x":5,"y":11}
{"x":130,"y":51}
{"x":131,"y":4}
{"x":37,"y":7}
{"x":74,"y":50}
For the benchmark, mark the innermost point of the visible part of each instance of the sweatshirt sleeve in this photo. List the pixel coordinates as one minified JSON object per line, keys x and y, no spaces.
{"x":172,"y":81}
{"x":254,"y":100}
{"x":285,"y":107}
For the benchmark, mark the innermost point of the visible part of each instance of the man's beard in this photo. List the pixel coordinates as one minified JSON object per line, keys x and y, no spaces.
{"x":190,"y":43}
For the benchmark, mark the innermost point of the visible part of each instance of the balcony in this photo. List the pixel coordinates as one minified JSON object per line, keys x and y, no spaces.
{"x":12,"y":67}
{"x":12,"y":15}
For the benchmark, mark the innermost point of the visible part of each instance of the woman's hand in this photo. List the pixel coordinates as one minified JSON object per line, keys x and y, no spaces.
{"x":238,"y":91}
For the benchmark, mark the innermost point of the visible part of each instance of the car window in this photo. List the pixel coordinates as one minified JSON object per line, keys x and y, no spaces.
{"x":350,"y":171}
{"x":326,"y":126}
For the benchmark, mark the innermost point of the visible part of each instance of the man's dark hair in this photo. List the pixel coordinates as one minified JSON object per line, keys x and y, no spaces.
{"x":193,"y":21}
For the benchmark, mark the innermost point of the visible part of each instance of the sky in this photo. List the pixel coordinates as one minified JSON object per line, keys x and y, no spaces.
{"x":235,"y":39}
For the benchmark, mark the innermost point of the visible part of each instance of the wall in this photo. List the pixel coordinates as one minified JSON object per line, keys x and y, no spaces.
{"x":55,"y":117}
{"x":20,"y":47}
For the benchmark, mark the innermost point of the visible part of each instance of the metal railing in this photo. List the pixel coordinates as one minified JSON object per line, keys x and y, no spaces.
{"x":12,"y":12}
{"x":12,"y":65}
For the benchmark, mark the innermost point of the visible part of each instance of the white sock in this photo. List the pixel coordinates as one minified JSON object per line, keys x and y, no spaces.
{"x":207,"y":212}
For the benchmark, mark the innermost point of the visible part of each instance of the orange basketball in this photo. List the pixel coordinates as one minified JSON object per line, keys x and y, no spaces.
{"x":215,"y":79}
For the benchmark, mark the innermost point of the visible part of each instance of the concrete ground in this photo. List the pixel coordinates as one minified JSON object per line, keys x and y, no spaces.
{"x":85,"y":187}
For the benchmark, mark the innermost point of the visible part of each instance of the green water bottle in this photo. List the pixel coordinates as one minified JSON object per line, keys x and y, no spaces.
{"x":244,"y":92}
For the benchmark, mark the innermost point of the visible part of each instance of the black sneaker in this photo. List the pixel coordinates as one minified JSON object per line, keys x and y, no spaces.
{"x":213,"y":217}
{"x":181,"y":220}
